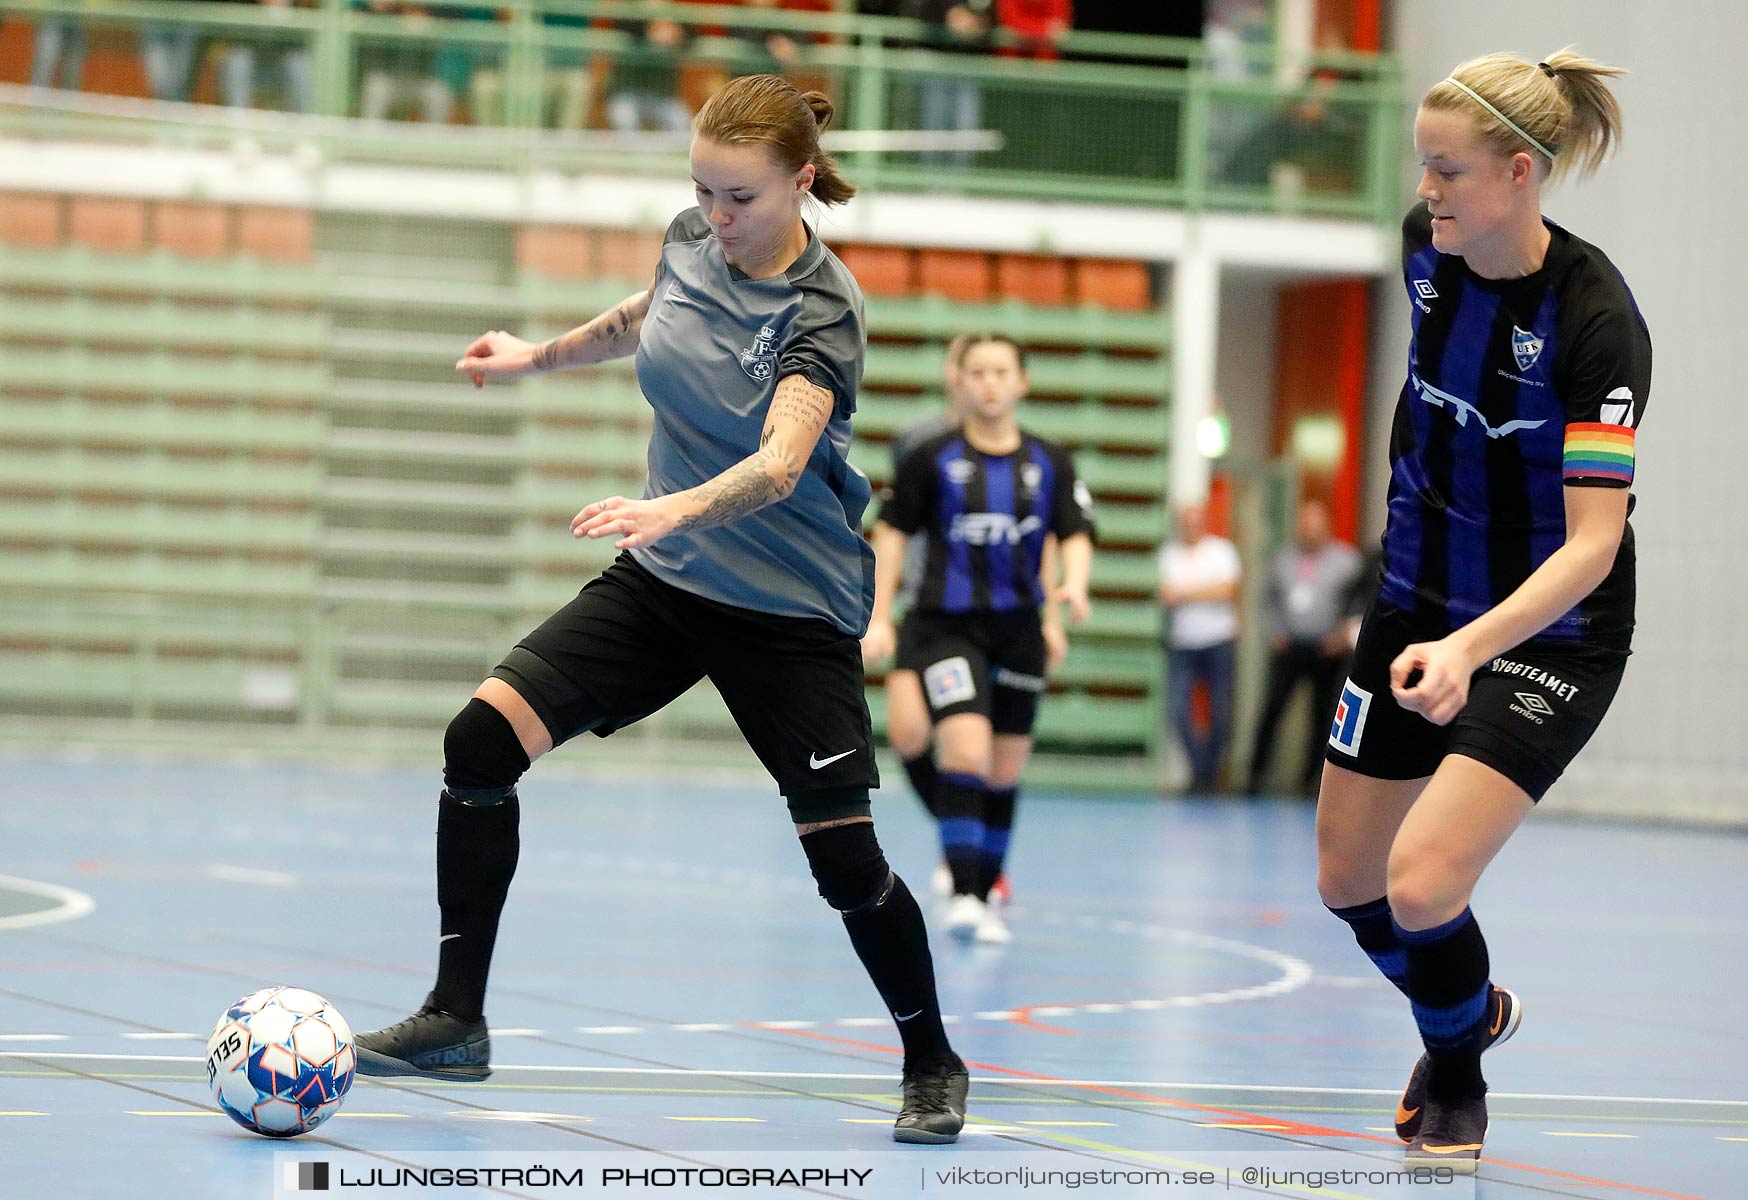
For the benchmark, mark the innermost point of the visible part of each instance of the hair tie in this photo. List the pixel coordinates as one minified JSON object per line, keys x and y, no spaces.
{"x":1504,"y":120}
{"x":1547,"y":70}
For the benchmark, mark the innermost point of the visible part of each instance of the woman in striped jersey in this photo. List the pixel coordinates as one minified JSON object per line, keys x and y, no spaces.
{"x":1505,"y":609}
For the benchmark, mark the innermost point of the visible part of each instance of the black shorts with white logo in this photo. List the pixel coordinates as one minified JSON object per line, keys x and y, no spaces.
{"x":988,"y":663}
{"x":629,"y":644}
{"x":1530,"y":710}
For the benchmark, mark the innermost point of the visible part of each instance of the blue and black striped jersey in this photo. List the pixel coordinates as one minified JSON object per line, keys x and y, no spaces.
{"x":1516,"y":390}
{"x":986,"y":517}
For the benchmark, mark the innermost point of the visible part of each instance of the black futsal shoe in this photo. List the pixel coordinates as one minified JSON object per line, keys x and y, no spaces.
{"x":934,"y":1103}
{"x":431,"y":1043}
{"x":1450,"y":1136}
{"x":1504,"y":1015}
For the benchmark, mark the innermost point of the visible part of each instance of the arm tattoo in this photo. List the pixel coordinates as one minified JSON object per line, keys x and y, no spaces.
{"x":607,"y":336}
{"x":744,"y":488}
{"x":773,"y":471}
{"x":799,"y":400}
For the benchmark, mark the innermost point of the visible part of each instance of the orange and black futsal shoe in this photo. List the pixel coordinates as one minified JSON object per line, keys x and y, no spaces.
{"x":1504,"y":1015}
{"x":1450,"y":1136}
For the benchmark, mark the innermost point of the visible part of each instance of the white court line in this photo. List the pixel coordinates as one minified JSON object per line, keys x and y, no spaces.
{"x":1159,"y":1084}
{"x":33,"y":1037}
{"x":506,"y":1115}
{"x":721,"y":1120}
{"x":230,"y":874}
{"x":70,"y":905}
{"x":162,"y":1037}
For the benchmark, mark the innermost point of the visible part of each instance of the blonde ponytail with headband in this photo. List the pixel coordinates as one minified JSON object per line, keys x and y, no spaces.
{"x":1562,"y":107}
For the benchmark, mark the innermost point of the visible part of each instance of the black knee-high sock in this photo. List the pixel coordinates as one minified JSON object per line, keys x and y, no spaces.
{"x":477,"y":848}
{"x":1447,"y":987}
{"x":998,"y":831}
{"x":1376,"y":933}
{"x":924,"y":779}
{"x":962,"y":798}
{"x":893,"y":944}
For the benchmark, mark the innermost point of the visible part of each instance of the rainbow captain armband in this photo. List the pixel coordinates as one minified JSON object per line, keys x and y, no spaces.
{"x":1603,"y":453}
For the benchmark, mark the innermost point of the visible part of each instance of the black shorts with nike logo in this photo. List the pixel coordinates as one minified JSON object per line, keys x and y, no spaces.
{"x":1530,"y":710}
{"x":629,"y":644}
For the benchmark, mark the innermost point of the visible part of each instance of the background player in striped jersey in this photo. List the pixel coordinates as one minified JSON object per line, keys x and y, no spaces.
{"x":988,"y":497}
{"x":1505,"y":609}
{"x":909,"y":729}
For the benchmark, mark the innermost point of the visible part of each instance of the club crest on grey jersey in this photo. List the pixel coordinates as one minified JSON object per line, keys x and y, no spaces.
{"x":759,"y":360}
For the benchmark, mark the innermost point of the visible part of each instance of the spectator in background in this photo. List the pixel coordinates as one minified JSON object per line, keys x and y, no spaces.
{"x":1310,"y":139}
{"x":1233,"y":35}
{"x":1361,"y":595}
{"x":774,"y":51}
{"x":289,"y":61}
{"x":569,"y":83}
{"x":169,"y":52}
{"x":1199,"y":573}
{"x":415,"y":72}
{"x":459,"y":60}
{"x":951,"y":101}
{"x":1039,"y":24}
{"x":1305,"y":598}
{"x":644,"y":90}
{"x":58,"y":53}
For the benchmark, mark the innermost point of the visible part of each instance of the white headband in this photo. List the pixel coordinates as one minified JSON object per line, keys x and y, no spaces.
{"x":1478,"y":98}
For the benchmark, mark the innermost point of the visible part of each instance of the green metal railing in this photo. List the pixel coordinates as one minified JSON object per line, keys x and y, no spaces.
{"x":1158,"y":121}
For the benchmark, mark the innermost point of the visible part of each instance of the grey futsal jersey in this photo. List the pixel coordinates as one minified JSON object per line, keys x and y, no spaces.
{"x":713,"y":346}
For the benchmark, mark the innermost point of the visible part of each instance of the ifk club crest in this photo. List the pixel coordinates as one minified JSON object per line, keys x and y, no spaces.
{"x":1526,"y":347}
{"x":760,"y":359}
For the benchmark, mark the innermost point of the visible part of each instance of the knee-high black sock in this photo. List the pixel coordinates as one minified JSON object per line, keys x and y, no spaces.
{"x":477,"y":848}
{"x":886,"y":928}
{"x":998,"y":831}
{"x":924,"y":777}
{"x":1447,"y":987}
{"x":893,"y":944}
{"x":1376,"y":933}
{"x":962,"y":798}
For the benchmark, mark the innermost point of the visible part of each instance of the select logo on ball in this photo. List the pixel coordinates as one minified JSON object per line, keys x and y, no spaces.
{"x":280,"y":1061}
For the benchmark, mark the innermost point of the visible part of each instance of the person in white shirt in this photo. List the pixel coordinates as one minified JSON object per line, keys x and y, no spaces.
{"x":1199,"y":574}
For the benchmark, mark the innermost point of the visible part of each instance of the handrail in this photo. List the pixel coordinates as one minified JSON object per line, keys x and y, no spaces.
{"x":247,"y":16}
{"x":1129,"y":130}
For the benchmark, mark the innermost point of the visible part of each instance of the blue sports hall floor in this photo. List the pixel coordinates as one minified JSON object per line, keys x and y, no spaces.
{"x":670,"y":990}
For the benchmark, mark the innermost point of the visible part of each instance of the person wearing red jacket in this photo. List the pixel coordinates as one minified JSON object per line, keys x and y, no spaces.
{"x":1039,"y":23}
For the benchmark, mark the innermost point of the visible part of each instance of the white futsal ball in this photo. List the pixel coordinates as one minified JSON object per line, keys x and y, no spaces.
{"x":280,"y":1060}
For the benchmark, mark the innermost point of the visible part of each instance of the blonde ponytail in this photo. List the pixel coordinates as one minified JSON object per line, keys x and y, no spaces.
{"x":1560,"y":110}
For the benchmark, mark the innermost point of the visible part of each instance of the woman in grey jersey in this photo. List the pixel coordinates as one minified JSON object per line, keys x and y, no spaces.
{"x":743,"y":562}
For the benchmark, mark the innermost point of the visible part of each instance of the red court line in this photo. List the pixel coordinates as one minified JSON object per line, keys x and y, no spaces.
{"x":1292,"y":1128}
